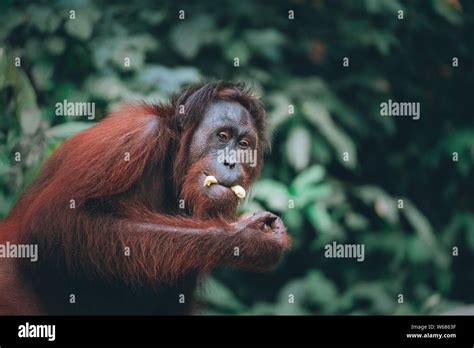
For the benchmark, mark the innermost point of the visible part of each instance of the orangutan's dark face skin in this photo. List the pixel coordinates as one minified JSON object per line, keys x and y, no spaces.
{"x":224,"y":125}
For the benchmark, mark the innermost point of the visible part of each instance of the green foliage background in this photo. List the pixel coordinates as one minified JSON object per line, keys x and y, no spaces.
{"x":337,"y":110}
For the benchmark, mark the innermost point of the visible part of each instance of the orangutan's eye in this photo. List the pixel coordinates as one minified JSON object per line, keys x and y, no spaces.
{"x":223,"y":136}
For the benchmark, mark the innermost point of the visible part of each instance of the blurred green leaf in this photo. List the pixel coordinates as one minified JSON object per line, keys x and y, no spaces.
{"x":56,"y":45}
{"x":168,"y":80}
{"x":376,"y":295}
{"x":10,"y":21}
{"x":266,"y":42}
{"x":153,"y":17}
{"x":318,"y":115}
{"x":307,"y":178}
{"x":81,"y":27}
{"x":418,"y":251}
{"x":239,"y":50}
{"x":42,"y":73}
{"x":313,"y":194}
{"x":314,"y":289}
{"x":109,"y":88}
{"x":273,"y":193}
{"x":356,"y":221}
{"x":424,"y":230}
{"x":298,"y":147}
{"x":189,"y":35}
{"x":294,"y":220}
{"x":43,"y":18}
{"x":66,"y":130}
{"x":319,"y":217}
{"x":419,"y":222}
{"x":447,"y":9}
{"x":383,"y":204}
{"x":384,"y":6}
{"x":279,"y":114}
{"x":217,"y":294}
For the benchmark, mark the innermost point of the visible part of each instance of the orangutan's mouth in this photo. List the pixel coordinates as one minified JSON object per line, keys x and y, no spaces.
{"x":238,"y":190}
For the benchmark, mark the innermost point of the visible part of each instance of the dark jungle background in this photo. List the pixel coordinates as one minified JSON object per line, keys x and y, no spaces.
{"x":296,"y":62}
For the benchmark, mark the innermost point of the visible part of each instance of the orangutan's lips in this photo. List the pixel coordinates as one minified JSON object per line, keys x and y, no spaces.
{"x":238,"y":190}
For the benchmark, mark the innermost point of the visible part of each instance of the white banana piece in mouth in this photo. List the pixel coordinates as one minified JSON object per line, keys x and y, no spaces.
{"x":209,"y":180}
{"x":237,"y":189}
